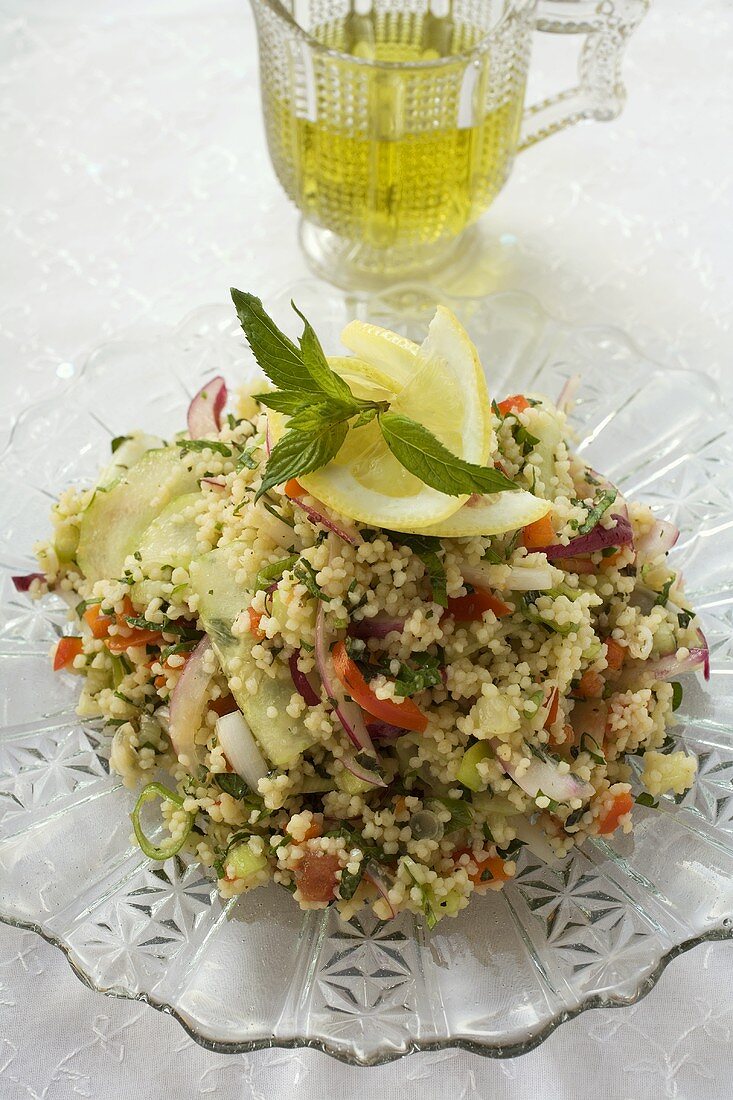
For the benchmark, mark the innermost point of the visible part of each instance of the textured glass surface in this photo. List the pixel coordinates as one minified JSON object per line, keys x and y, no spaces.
{"x":256,"y":971}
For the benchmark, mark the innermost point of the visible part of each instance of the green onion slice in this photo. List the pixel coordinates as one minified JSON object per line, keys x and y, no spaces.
{"x":147,"y":794}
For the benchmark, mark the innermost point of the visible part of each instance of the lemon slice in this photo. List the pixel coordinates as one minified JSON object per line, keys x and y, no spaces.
{"x":490,"y":515}
{"x":382,"y":348}
{"x":400,"y":358}
{"x":446,"y":392}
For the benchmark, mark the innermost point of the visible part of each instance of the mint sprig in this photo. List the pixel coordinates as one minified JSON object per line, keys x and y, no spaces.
{"x":417,"y":449}
{"x":322,"y":410}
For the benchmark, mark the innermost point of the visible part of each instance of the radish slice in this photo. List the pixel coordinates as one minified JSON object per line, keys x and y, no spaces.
{"x":317,"y":515}
{"x":187,"y":705}
{"x":658,"y":540}
{"x":301,"y":682}
{"x":373,"y":872}
{"x":204,"y":412}
{"x":378,"y":627}
{"x":23,"y":583}
{"x":543,"y":775}
{"x":240,"y":748}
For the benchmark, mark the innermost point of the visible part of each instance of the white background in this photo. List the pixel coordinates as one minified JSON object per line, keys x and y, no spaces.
{"x":134,"y":186}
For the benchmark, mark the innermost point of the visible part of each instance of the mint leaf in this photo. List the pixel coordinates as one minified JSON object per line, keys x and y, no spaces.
{"x":418,"y":450}
{"x":320,"y":414}
{"x":367,"y":415}
{"x":301,"y":452}
{"x":278,"y":356}
{"x":284,"y":401}
{"x":316,"y":363}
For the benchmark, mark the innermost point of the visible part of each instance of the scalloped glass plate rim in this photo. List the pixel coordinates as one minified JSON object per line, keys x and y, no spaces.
{"x":415,"y":293}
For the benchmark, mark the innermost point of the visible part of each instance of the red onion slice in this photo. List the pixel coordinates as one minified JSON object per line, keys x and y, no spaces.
{"x":317,"y":515}
{"x":214,"y":483}
{"x":348,"y":713}
{"x":543,"y":775}
{"x":706,"y":651}
{"x":597,"y":539}
{"x":566,"y":397}
{"x":187,"y":705}
{"x":241,"y":749}
{"x":362,"y":770}
{"x":658,"y":540}
{"x":23,"y":583}
{"x":204,"y":412}
{"x":522,"y":578}
{"x":666,"y":668}
{"x":378,"y":627}
{"x":373,"y":872}
{"x":384,"y":731}
{"x":268,"y":437}
{"x":301,"y":682}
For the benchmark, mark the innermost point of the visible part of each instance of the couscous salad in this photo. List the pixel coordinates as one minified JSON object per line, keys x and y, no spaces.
{"x":368,"y":632}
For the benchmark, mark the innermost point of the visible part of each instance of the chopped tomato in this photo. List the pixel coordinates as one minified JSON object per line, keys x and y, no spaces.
{"x":223,"y":705}
{"x":539,"y":533}
{"x":97,"y":622}
{"x":578,"y":565}
{"x":621,"y":805}
{"x":255,"y":618}
{"x":118,"y":643}
{"x":517,"y":403}
{"x":568,"y":741}
{"x":553,"y":709}
{"x":405,"y":714}
{"x":471,"y":608}
{"x":131,"y":635}
{"x":315,"y":875}
{"x":293,"y":488}
{"x":615,"y":654}
{"x":590,"y":685}
{"x":66,"y":650}
{"x":490,"y":869}
{"x":313,"y":831}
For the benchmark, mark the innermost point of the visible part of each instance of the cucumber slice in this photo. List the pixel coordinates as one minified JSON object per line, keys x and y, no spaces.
{"x":220,"y":600}
{"x":468,"y":773}
{"x":171,"y":537}
{"x":244,"y":862}
{"x":115,"y":521}
{"x":351,"y":784}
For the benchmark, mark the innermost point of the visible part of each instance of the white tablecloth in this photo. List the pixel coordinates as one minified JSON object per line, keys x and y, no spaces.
{"x":134,"y":186}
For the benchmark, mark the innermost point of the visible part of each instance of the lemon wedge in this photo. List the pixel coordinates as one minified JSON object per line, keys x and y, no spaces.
{"x":445,"y":391}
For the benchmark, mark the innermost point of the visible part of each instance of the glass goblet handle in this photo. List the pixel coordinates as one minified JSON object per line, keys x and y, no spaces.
{"x":599,"y":93}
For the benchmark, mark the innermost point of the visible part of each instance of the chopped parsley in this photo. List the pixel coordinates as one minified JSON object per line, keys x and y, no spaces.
{"x":188,"y":445}
{"x":602,"y":503}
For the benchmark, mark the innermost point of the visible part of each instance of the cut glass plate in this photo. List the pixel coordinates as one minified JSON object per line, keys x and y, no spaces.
{"x":256,"y":971}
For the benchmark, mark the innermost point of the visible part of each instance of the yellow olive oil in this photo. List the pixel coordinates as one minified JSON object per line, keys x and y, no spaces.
{"x":400,"y":156}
